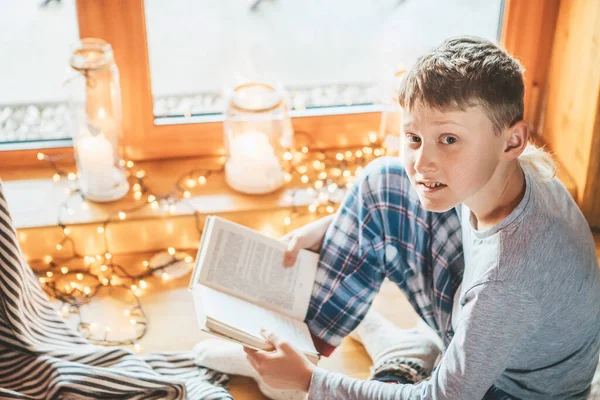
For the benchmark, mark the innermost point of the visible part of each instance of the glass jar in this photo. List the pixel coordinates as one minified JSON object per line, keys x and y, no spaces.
{"x":95,"y":108}
{"x":258,"y":138}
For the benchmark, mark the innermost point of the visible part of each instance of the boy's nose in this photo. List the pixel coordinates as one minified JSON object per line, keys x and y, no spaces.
{"x":425,"y":161}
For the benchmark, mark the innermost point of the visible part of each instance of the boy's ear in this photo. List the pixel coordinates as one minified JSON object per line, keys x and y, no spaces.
{"x":517,"y":137}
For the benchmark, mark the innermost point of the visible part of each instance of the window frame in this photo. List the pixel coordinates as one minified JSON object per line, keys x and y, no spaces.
{"x":527,"y":32}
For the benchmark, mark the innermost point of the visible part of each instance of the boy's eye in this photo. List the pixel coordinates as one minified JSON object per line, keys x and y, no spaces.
{"x":413,"y":138}
{"x":449,"y":140}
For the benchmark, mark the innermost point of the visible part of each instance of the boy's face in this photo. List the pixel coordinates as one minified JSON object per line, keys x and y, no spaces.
{"x":457,"y":151}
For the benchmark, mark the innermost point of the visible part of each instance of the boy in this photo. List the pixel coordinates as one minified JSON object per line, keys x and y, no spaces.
{"x":489,"y":247}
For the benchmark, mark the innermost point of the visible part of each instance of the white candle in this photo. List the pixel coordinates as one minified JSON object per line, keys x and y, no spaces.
{"x":252,"y":166}
{"x":96,"y":161}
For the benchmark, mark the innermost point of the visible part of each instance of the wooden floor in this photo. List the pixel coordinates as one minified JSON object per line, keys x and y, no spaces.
{"x":173,"y":325}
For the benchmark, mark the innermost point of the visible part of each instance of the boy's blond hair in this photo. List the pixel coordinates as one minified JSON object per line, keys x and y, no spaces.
{"x":468,"y":71}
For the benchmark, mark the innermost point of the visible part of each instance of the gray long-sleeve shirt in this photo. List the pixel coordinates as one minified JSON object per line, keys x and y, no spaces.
{"x":528,"y":312}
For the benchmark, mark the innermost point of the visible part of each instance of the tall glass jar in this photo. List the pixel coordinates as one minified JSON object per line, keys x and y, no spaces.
{"x":95,"y":108}
{"x":258,"y":138}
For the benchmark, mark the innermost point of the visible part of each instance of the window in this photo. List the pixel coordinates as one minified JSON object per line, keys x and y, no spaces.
{"x":186,"y":62}
{"x":325,"y":53}
{"x":35,"y":43}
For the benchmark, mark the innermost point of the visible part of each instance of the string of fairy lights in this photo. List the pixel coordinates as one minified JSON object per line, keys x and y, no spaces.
{"x":76,"y":279}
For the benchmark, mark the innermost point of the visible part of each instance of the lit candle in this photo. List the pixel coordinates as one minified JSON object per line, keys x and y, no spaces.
{"x":252,"y":166}
{"x":96,"y":159}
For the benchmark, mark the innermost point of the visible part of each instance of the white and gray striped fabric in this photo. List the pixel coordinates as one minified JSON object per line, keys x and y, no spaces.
{"x":41,"y":357}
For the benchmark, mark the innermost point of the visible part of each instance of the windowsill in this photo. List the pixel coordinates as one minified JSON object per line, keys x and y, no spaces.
{"x":30,"y":210}
{"x":35,"y":201}
{"x":35,"y":204}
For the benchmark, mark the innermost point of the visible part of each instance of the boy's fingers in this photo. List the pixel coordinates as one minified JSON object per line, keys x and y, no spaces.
{"x":271,"y":337}
{"x":257,"y":356}
{"x":252,"y":361}
{"x":292,"y":244}
{"x":289,"y":260}
{"x":291,"y":252}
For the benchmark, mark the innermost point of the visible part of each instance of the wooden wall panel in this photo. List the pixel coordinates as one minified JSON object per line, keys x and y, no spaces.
{"x":571,"y":122}
{"x":528,"y":33}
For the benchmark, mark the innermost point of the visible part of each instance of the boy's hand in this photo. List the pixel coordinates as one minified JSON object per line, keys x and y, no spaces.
{"x":283,"y":368}
{"x":309,"y":237}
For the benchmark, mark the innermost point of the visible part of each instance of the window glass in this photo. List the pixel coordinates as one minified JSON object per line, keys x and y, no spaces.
{"x":36,"y":38}
{"x":324,"y":52}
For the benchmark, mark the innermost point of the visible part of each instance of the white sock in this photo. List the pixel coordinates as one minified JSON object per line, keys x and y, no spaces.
{"x":230,"y":358}
{"x":385,"y":342}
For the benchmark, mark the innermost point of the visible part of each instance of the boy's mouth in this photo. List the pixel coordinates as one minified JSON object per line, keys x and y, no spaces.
{"x":431,"y":186}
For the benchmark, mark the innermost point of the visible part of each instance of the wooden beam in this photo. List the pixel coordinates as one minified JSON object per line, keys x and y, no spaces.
{"x":571,"y":126}
{"x":527,"y":33}
{"x":123,"y":25}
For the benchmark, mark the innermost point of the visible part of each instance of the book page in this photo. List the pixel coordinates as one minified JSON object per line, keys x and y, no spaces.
{"x":250,"y":319}
{"x":249,"y":265}
{"x":202,"y":250}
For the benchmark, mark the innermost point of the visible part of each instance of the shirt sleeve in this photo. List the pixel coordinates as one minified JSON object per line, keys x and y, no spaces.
{"x":494,"y":320}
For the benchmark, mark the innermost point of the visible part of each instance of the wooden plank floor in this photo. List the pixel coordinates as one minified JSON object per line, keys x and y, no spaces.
{"x":173,"y":325}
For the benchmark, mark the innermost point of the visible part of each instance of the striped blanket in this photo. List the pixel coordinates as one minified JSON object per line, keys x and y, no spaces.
{"x":41,"y":357}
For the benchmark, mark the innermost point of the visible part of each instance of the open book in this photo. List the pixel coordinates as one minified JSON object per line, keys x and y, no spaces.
{"x":240,"y":285}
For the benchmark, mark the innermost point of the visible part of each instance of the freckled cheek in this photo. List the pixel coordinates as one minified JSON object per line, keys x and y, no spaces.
{"x":467,"y":177}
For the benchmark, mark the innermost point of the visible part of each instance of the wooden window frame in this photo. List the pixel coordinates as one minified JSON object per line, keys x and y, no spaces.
{"x":527,"y":31}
